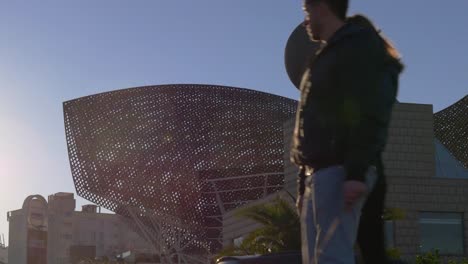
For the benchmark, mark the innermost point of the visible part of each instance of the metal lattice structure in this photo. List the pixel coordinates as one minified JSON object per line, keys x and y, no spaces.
{"x":451,"y":128}
{"x":174,"y":158}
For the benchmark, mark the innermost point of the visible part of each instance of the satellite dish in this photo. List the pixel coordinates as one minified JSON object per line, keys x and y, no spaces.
{"x":299,"y":50}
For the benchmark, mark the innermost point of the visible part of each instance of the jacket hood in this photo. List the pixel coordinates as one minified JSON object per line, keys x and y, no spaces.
{"x":350,"y":29}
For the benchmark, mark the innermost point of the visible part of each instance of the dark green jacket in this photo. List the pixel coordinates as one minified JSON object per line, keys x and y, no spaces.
{"x":347,"y":95}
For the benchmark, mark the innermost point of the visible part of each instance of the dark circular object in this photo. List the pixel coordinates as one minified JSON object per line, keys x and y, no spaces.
{"x":299,"y":50}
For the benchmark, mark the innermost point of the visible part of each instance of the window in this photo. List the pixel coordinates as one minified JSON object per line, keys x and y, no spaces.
{"x":442,"y":231}
{"x":390,"y":234}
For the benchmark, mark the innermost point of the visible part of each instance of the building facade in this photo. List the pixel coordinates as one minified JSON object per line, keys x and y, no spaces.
{"x":425,"y":180}
{"x":55,"y":233}
{"x":3,"y":254}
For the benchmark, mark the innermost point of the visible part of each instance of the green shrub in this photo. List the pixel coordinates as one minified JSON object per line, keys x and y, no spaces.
{"x":432,"y":257}
{"x":394,"y":253}
{"x":463,"y":261}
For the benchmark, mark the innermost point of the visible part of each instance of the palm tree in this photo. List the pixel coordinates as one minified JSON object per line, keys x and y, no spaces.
{"x":280,"y":230}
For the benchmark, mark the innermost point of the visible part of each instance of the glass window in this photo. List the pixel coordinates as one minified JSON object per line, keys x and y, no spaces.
{"x":442,"y":231}
{"x":389,"y":234}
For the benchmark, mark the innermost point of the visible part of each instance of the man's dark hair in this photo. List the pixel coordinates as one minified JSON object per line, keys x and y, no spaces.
{"x":338,"y":7}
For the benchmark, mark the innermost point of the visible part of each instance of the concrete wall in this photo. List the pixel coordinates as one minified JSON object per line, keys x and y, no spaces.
{"x":60,"y":215}
{"x":3,"y":255}
{"x":410,"y":150}
{"x":17,"y":237}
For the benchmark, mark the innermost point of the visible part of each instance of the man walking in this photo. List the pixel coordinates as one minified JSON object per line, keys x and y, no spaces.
{"x":347,"y":95}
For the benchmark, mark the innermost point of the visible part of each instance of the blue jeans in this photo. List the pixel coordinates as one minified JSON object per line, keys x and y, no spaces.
{"x":329,"y":231}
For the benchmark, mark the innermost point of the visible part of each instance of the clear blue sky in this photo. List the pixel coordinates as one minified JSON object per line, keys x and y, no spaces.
{"x":53,"y":51}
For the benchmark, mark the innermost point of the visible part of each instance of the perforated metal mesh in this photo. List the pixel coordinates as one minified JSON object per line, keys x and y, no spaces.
{"x":188,"y":152}
{"x":451,"y":128}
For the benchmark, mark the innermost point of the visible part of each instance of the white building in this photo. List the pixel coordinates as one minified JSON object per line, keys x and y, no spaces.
{"x":53,"y":230}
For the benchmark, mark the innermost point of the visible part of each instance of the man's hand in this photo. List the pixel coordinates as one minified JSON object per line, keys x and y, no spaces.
{"x":299,"y":202}
{"x":353,"y":191}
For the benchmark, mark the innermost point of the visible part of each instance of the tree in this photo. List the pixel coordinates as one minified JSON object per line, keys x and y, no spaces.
{"x":280,"y":230}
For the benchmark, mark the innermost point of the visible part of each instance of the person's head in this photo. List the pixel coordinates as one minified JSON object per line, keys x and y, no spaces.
{"x":319,"y":14}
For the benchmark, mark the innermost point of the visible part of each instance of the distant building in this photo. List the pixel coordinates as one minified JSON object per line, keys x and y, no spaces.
{"x":53,"y":232}
{"x":3,"y":254}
